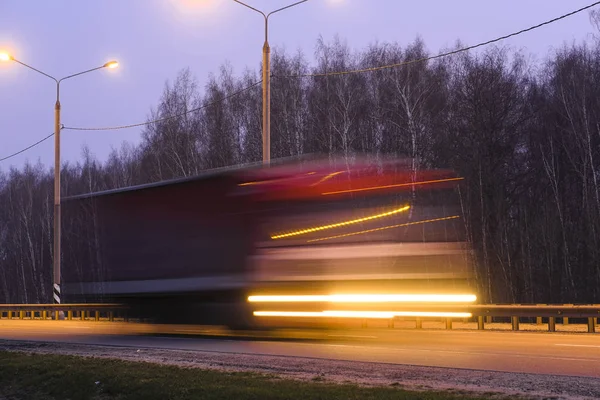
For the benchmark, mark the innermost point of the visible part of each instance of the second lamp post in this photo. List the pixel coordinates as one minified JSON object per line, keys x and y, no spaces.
{"x":266,"y":80}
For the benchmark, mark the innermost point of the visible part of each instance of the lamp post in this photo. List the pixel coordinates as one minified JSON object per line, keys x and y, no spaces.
{"x":266,"y":80}
{"x":57,"y":127}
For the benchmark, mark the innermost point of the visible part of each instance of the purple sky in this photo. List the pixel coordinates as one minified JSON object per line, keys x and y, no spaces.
{"x":154,"y":39}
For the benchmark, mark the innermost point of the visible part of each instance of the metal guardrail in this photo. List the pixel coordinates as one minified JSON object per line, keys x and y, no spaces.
{"x":485,"y":313}
{"x":482,"y":313}
{"x":82,"y":312}
{"x":550,"y":311}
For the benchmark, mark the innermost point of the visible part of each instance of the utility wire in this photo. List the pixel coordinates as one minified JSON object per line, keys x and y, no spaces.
{"x":112,"y":128}
{"x":132,"y":125}
{"x":26,"y":148}
{"x":372,"y":69}
{"x":379,"y":68}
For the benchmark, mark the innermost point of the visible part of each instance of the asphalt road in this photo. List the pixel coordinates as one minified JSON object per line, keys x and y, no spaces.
{"x":572,"y":354}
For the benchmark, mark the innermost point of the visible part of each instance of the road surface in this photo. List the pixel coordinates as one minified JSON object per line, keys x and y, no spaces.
{"x":544,"y":353}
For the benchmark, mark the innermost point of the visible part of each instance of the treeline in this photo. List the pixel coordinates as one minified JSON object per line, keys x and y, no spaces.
{"x":526,"y":136}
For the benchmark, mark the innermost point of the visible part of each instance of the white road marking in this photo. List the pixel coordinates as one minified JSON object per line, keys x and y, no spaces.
{"x":577,"y":345}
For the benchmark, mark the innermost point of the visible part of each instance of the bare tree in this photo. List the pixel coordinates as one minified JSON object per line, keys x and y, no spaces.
{"x":172,"y":144}
{"x":289,"y":109}
{"x":527,"y":142}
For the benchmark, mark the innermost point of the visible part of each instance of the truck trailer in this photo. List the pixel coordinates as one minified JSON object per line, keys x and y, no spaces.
{"x":290,"y":243}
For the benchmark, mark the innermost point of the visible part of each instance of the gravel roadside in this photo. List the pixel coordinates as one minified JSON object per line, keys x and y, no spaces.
{"x":334,"y":371}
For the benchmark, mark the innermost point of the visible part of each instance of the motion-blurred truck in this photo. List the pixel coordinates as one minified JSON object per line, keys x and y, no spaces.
{"x":301,"y":242}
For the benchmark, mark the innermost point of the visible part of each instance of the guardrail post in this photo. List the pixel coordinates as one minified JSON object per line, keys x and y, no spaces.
{"x":21,"y":314}
{"x":419,"y":323}
{"x":44,"y":315}
{"x":551,"y":324}
{"x":539,"y":320}
{"x":488,"y":319}
{"x":566,"y":319}
{"x":515,"y":323}
{"x":69,"y":315}
{"x":97,"y":316}
{"x":448,"y":323}
{"x":592,"y":324}
{"x":111,"y":317}
{"x":82,"y":315}
{"x":480,"y":325}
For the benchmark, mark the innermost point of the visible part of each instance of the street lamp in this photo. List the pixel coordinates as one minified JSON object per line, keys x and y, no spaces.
{"x":57,"y":218}
{"x":266,"y":80}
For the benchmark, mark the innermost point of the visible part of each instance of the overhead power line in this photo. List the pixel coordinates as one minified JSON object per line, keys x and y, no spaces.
{"x":371,"y":69}
{"x":112,"y":128}
{"x":382,"y":67}
{"x":26,"y":148}
{"x":132,"y":125}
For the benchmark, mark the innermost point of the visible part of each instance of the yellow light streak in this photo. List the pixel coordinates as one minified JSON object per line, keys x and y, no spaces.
{"x":288,"y":314}
{"x":263,"y":182}
{"x":362,"y":314}
{"x":384,"y":228}
{"x":392,"y":186}
{"x":339,"y":224}
{"x":327,"y":177}
{"x":364,"y":298}
{"x":271,"y":180}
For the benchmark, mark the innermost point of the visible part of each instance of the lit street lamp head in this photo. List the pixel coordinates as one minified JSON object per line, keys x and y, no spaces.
{"x":5,"y":57}
{"x":111,"y":64}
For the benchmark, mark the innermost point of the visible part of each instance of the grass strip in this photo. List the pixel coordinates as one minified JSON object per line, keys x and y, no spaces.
{"x":35,"y":376}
